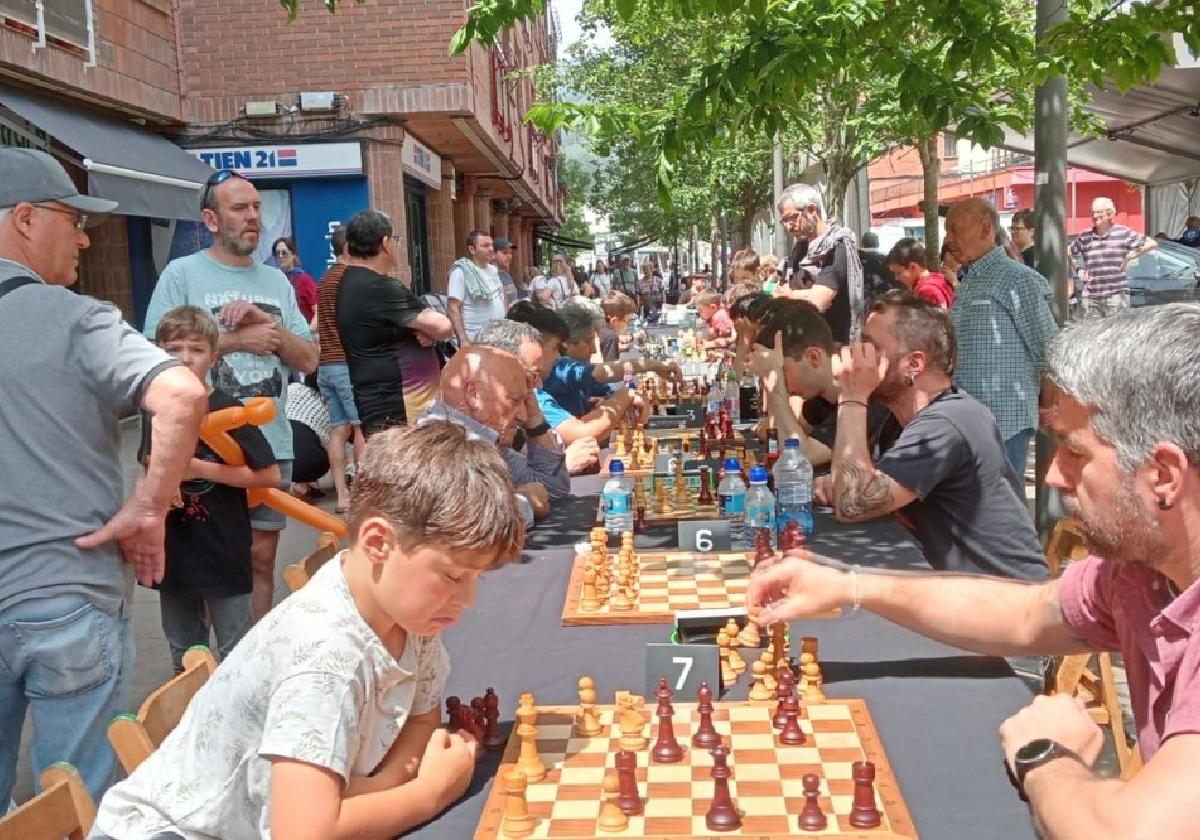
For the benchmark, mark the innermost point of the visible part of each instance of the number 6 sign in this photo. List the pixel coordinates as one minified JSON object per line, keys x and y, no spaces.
{"x":705,"y":536}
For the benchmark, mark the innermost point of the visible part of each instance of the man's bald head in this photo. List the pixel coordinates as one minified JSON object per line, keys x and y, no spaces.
{"x":971,"y":228}
{"x":488,"y":385}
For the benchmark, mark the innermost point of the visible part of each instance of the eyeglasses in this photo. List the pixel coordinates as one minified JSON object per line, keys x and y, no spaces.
{"x":81,"y":219}
{"x":1015,"y":228}
{"x":215,"y":180}
{"x":282,"y":252}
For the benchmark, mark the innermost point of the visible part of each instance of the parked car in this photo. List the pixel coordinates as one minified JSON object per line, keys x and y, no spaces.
{"x":1169,"y":273}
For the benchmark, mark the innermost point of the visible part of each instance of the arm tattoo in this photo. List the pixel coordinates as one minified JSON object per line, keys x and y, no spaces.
{"x":862,"y":493}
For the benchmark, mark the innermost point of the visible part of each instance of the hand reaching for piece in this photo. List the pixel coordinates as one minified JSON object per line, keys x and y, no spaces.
{"x":796,"y":588}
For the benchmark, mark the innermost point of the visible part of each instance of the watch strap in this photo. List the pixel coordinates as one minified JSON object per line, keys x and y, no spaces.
{"x":538,"y":430}
{"x":1053,"y":751}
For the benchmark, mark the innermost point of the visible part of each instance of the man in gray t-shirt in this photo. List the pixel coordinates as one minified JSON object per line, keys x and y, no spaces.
{"x":946,"y":476}
{"x":68,"y":544}
{"x":263,"y":335}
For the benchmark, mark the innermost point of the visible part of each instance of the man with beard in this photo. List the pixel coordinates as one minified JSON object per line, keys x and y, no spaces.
{"x":1127,"y":468}
{"x":826,"y":253}
{"x":945,"y":477}
{"x":263,"y":335}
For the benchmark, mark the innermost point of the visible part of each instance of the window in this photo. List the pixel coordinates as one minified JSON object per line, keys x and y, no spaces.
{"x":67,"y":20}
{"x":21,"y":11}
{"x":949,"y":144}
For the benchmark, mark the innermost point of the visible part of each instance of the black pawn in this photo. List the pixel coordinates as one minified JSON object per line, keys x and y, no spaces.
{"x":791,"y":734}
{"x":863,"y":813}
{"x":722,"y":813}
{"x":706,"y":736}
{"x":783,"y":690}
{"x":453,"y":706}
{"x":492,"y":739}
{"x":812,"y":818}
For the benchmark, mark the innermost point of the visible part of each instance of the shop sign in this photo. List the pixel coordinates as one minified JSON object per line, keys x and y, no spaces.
{"x":421,"y":162}
{"x":286,"y":161}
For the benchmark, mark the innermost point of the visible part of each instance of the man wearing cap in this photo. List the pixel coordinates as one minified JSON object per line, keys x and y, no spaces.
{"x":263,"y":336}
{"x":69,"y":541}
{"x":503,"y":261}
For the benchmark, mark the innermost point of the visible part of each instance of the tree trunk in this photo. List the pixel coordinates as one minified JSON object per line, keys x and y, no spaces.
{"x":931,"y":169}
{"x":714,"y":253}
{"x":839,"y":172}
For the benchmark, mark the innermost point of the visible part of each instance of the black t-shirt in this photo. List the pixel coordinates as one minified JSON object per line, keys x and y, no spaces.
{"x":610,"y":345}
{"x":1028,"y":257}
{"x":970,"y":514}
{"x":877,"y":277}
{"x":882,"y":427}
{"x":832,"y":274}
{"x":373,"y":314}
{"x":208,"y":538}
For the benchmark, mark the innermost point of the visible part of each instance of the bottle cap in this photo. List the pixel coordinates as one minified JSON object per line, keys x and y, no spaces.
{"x":733,"y":464}
{"x":615,"y":467}
{"x":758,"y":475}
{"x":792,"y":443}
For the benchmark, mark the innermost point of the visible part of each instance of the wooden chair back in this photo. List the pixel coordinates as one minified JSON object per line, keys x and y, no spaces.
{"x":134,"y":737}
{"x":63,"y":809}
{"x":298,"y":574}
{"x":1066,"y":544}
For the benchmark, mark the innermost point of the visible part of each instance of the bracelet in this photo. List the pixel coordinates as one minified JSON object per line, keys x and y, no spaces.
{"x":854,"y":577}
{"x":851,"y":402}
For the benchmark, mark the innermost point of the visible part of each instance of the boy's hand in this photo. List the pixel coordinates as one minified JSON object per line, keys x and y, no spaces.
{"x":447,"y":765}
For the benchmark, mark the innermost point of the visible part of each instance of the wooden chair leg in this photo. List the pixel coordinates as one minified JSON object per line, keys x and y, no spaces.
{"x":1108,"y":686}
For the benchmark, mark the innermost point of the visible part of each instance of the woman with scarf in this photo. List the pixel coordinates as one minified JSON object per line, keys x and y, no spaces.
{"x":284,"y":251}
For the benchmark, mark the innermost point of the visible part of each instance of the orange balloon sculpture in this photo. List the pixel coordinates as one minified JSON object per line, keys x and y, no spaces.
{"x":256,"y":412}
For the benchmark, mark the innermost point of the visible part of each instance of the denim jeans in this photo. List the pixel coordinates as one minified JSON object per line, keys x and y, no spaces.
{"x":1016,"y":449}
{"x":185,"y":623}
{"x":70,"y":663}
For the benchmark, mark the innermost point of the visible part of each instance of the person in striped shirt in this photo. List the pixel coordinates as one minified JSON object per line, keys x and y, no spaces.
{"x":1100,"y":256}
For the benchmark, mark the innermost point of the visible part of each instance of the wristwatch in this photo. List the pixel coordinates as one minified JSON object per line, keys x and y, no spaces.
{"x":538,"y":430}
{"x":1037,"y":752}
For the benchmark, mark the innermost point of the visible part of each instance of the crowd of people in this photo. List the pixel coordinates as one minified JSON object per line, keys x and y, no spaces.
{"x":465,"y":428}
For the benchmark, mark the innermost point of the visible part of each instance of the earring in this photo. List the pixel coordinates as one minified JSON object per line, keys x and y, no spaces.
{"x":1163,"y":504}
{"x":909,"y":380}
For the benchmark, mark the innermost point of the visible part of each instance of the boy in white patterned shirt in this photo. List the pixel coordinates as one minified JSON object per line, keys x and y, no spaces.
{"x":323,"y":721}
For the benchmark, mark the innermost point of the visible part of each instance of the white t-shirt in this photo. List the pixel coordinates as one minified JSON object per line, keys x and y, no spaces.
{"x":312,"y":682}
{"x":560,"y":289}
{"x":477,"y":311}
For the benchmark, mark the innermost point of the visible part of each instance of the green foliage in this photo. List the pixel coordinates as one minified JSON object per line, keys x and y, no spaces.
{"x":576,"y":180}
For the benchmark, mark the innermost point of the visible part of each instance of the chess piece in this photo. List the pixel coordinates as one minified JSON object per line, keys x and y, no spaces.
{"x":728,"y":675}
{"x":763,"y":553}
{"x":705,"y":498}
{"x":632,"y":725}
{"x":759,"y":690}
{"x":706,"y":736}
{"x":640,"y":521}
{"x":732,"y":629}
{"x":812,"y":818}
{"x":666,"y":749}
{"x":793,"y":536}
{"x":529,"y":761}
{"x":749,"y":637}
{"x":863,"y":813}
{"x":611,"y":817}
{"x":769,"y":680}
{"x":722,"y":813}
{"x":778,"y":644}
{"x":791,"y":733}
{"x":619,"y":453}
{"x":635,"y":457}
{"x":813,"y":695}
{"x":492,"y":739}
{"x":588,"y":601}
{"x":453,"y":708}
{"x":735,"y":657}
{"x":480,"y":712}
{"x":660,"y":496}
{"x":782,"y":692}
{"x":587,"y":722}
{"x":516,"y":822}
{"x":621,"y":601}
{"x":628,"y":799}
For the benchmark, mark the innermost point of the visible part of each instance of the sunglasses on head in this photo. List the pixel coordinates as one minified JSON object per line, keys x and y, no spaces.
{"x":215,"y":180}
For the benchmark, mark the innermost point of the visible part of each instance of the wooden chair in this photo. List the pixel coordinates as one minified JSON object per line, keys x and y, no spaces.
{"x":63,"y":809}
{"x":297,"y":574}
{"x":1075,"y":674}
{"x":134,"y":737}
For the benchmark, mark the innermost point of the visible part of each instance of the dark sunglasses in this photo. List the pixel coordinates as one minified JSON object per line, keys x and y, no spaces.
{"x":215,"y":180}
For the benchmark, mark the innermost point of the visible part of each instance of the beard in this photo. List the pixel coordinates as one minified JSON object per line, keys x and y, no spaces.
{"x":1126,"y":534}
{"x":237,"y":244}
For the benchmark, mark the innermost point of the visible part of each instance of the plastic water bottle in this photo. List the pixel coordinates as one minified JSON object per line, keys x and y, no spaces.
{"x":731,"y":500}
{"x":618,"y":501}
{"x":733,"y":402}
{"x":793,"y":488}
{"x":760,"y":507}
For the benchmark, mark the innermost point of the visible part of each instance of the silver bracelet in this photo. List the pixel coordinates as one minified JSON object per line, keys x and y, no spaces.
{"x":854,"y":570}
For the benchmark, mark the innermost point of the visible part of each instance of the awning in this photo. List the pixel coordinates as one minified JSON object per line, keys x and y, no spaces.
{"x":564,"y":241}
{"x":147,"y":174}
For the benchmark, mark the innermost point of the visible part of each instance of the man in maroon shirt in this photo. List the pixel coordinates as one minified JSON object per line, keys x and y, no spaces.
{"x":1128,"y":466}
{"x":910,"y":267}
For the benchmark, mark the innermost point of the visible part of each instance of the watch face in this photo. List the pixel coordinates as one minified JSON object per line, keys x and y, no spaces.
{"x":1035,"y":749}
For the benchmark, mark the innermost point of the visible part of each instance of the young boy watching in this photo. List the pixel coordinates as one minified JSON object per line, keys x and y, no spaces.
{"x":909,"y":266}
{"x":719,"y":326}
{"x":323,"y":722}
{"x":619,"y":309}
{"x":206,"y":588}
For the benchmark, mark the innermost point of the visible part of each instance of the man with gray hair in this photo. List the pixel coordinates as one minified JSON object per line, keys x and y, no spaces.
{"x":825,"y":260}
{"x":574,"y":379}
{"x":1100,"y":255}
{"x":1128,"y":466}
{"x":1002,"y":316}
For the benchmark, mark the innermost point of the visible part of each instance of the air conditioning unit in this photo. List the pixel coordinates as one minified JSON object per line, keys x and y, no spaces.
{"x":318,"y":100}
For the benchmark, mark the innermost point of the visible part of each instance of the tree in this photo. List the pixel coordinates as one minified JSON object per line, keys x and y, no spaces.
{"x":575,"y":181}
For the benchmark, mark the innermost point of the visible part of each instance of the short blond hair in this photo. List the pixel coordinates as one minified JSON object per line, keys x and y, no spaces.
{"x":617,"y":304}
{"x":184,"y":322}
{"x":436,"y":486}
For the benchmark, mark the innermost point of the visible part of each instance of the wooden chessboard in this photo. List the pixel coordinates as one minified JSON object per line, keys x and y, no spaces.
{"x":689,"y":512}
{"x":668,"y":583}
{"x":766,"y":782}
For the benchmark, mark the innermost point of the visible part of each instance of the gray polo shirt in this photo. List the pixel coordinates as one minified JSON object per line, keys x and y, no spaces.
{"x":72,"y":367}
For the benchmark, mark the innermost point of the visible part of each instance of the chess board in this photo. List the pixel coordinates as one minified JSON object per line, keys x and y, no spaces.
{"x":668,"y":583}
{"x":765,"y":785}
{"x":689,"y":512}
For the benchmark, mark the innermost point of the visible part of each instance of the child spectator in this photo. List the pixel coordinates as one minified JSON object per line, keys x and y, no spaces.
{"x":308,"y":415}
{"x":207,"y":584}
{"x":719,"y":332}
{"x":908,"y":264}
{"x":743,"y":268}
{"x":323,"y":722}
{"x":619,"y":310}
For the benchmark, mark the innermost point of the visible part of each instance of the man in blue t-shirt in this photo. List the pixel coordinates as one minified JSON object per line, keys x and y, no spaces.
{"x":263,"y":335}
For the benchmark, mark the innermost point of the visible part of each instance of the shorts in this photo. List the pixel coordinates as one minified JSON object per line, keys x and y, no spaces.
{"x":333,"y":381}
{"x":264,"y":518}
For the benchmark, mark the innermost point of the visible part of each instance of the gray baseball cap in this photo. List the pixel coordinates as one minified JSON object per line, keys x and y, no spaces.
{"x":33,"y":176}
